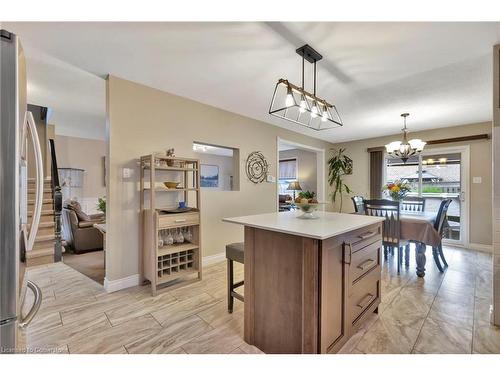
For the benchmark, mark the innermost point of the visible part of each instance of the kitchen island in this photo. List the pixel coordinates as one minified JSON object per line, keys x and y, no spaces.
{"x":309,"y":284}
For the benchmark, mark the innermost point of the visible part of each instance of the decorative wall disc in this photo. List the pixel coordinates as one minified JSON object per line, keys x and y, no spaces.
{"x":257,"y":167}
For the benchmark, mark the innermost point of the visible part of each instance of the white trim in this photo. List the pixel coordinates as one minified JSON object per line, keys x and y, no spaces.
{"x":480,"y":247}
{"x":211,"y":259}
{"x":113,"y":285}
{"x":320,"y":168}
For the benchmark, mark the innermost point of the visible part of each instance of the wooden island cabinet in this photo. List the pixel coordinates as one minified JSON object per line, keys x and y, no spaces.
{"x":309,"y":284}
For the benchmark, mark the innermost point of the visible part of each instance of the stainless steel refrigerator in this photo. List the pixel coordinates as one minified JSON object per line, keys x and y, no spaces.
{"x":17,"y":128}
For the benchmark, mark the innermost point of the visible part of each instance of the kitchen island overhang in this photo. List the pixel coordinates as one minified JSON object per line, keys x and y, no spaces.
{"x":309,"y":284}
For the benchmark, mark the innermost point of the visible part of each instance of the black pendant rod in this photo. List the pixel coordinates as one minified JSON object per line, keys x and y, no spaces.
{"x":302,"y":72}
{"x":314,"y":91}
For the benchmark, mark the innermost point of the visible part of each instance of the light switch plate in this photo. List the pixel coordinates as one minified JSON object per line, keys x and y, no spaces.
{"x":477,"y":180}
{"x":127,"y":173}
{"x":270,"y":178}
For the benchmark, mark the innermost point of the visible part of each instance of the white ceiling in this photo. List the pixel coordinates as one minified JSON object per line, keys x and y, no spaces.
{"x":439,"y":72}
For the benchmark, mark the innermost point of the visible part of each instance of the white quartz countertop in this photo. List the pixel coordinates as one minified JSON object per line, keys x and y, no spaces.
{"x":329,"y":224}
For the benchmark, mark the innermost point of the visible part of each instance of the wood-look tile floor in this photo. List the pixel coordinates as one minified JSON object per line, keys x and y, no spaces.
{"x":442,"y":313}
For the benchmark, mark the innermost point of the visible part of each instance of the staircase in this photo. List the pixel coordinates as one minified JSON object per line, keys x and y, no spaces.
{"x":43,"y":249}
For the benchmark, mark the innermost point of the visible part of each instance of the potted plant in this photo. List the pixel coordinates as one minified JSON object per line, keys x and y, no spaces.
{"x":101,"y":204}
{"x":397,"y":190}
{"x":338,"y":166}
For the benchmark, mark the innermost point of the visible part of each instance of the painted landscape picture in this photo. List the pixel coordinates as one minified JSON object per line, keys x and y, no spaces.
{"x":209,"y":176}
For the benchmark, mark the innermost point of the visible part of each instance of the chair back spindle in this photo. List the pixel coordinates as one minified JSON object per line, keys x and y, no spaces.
{"x":413,"y":204}
{"x":390,"y":211}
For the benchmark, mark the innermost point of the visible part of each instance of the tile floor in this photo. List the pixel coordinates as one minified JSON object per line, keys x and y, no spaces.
{"x":442,"y":313}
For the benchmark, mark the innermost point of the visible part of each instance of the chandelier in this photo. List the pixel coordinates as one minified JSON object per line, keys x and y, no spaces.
{"x":405,"y":148}
{"x":295,"y":104}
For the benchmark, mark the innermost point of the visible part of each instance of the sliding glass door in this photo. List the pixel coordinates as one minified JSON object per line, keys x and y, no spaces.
{"x":435,"y":175}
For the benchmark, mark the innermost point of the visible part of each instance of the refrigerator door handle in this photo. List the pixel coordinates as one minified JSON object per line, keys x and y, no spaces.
{"x":25,"y":320}
{"x":39,"y":180}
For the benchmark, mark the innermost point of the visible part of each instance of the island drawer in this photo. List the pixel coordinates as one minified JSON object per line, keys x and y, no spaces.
{"x":178,"y":220}
{"x":364,"y":237}
{"x":364,"y":260}
{"x":364,"y":294}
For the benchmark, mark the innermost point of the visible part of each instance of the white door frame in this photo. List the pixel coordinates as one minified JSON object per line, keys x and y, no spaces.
{"x":320,"y":167}
{"x":465,"y":185}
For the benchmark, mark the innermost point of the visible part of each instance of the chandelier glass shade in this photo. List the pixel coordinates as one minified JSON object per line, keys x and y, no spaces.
{"x":405,"y":148}
{"x":295,"y":104}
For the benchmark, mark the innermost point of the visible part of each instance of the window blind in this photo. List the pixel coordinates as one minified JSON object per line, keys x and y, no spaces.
{"x":288,"y":169}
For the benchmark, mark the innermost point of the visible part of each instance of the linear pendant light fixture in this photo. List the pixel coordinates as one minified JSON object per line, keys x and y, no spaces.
{"x":295,"y":104}
{"x":405,"y":148}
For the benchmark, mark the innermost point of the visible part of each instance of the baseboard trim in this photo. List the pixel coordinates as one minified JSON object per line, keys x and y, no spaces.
{"x":114,"y":285}
{"x":211,"y":259}
{"x":481,"y":247}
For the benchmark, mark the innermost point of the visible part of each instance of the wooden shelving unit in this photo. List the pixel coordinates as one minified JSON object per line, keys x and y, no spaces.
{"x":180,"y":262}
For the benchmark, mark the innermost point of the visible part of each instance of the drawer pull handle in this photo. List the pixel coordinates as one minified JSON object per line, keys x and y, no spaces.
{"x":366,"y":235}
{"x":365,"y":301}
{"x":347,"y":253}
{"x":365,"y":264}
{"x":180,"y":220}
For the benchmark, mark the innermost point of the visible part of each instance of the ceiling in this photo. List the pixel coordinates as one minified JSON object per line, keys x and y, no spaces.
{"x":439,"y":72}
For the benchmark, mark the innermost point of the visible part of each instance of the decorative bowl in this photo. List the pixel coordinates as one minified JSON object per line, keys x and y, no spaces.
{"x":171,"y":184}
{"x":308,"y":209}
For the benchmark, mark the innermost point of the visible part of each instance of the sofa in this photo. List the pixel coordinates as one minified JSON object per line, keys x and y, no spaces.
{"x":78,"y":228}
{"x":283,"y":205}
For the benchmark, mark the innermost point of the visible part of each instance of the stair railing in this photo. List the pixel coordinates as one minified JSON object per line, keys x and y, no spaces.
{"x":57,"y":197}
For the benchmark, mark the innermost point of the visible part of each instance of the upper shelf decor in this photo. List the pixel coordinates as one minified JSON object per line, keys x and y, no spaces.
{"x":257,"y":167}
{"x":295,"y":104}
{"x":404,"y":149}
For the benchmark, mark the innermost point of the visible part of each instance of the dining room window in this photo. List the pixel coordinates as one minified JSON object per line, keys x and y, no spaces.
{"x":434,"y":177}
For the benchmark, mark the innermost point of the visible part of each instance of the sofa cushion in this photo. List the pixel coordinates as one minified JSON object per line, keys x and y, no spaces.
{"x":77,"y":208}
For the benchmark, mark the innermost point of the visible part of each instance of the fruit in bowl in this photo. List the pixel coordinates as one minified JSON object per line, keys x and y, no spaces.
{"x":171,"y":184}
{"x":307,"y":203}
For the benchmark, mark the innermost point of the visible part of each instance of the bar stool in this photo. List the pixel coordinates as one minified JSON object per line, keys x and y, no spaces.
{"x":235,"y":252}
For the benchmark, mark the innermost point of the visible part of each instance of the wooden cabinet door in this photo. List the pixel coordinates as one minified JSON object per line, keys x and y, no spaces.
{"x":333,"y":310}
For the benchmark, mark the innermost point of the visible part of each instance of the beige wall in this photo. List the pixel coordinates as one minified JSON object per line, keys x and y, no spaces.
{"x":86,"y":154}
{"x":480,"y":166}
{"x":141,"y":120}
{"x":307,"y":166}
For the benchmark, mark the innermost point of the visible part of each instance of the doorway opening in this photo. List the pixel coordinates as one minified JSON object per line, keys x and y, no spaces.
{"x":300,"y":170}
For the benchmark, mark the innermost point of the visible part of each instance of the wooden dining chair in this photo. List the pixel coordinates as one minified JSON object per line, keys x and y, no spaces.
{"x":413,"y":204}
{"x":389,"y":210}
{"x":358,"y":202}
{"x":439,"y":226}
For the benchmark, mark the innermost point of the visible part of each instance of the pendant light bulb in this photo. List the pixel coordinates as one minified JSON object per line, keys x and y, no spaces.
{"x":303,"y":104}
{"x":314,"y":110}
{"x":289,"y":97}
{"x":324,"y":117}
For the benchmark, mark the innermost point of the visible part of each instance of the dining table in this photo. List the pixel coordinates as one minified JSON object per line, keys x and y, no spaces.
{"x":418,"y":227}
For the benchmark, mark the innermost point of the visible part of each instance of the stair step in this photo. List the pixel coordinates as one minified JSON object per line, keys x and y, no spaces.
{"x":46,"y":237}
{"x":39,"y":252}
{"x":45,"y":201}
{"x":38,"y":257}
{"x":46,"y":179}
{"x":44,"y":213}
{"x":45,"y":224}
